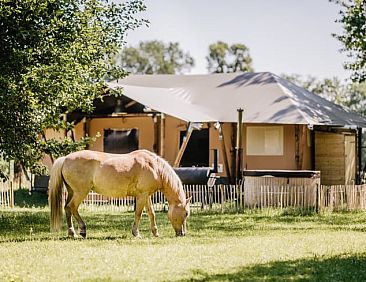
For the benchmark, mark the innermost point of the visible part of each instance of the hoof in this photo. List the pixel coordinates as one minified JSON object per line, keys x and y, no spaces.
{"x":154,"y":230}
{"x":83,"y":235}
{"x":71,"y":233}
{"x":136,"y":233}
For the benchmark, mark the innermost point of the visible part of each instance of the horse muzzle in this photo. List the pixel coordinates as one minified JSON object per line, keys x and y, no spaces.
{"x":180,"y":233}
{"x":182,"y":230}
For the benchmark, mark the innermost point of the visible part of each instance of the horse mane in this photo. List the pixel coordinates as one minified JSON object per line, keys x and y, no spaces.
{"x":167,"y":174}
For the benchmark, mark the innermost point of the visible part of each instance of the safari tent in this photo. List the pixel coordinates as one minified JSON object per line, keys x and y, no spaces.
{"x":186,"y":117}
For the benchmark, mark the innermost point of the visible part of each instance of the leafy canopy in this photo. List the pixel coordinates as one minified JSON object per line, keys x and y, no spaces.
{"x":223,"y":58}
{"x":353,"y":37}
{"x":155,"y":57}
{"x":55,"y":57}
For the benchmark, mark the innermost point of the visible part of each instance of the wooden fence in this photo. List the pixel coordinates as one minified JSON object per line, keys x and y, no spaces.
{"x":6,"y":194}
{"x":342,"y":197}
{"x":224,"y":198}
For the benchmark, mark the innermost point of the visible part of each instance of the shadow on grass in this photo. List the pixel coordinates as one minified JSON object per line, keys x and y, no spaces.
{"x":337,"y":268}
{"x":22,"y":199}
{"x":24,"y":225}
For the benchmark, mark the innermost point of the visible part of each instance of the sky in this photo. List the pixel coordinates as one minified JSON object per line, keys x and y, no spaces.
{"x":283,"y":36}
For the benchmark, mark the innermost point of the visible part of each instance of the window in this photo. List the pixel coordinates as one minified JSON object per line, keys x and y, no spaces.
{"x":265,"y":140}
{"x":121,"y":141}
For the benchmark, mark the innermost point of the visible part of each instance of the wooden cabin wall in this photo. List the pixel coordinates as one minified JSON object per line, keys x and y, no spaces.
{"x":145,"y":126}
{"x":286,"y":161}
{"x":174,"y":126}
{"x":335,"y":157}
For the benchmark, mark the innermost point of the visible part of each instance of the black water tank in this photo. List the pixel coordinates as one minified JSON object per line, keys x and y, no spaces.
{"x":193,"y":175}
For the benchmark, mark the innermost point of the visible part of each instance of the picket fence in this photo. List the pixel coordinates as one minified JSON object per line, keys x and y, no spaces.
{"x":6,"y":194}
{"x":342,"y":197}
{"x":225,"y":198}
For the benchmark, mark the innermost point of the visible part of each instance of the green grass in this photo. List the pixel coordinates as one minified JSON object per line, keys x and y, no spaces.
{"x":251,"y":246}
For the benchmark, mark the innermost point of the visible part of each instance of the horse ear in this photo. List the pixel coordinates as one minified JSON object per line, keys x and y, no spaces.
{"x":188,"y":200}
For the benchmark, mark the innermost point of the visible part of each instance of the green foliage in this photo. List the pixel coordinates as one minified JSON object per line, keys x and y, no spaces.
{"x":155,"y":57}
{"x":22,"y":199}
{"x":4,"y":169}
{"x":357,"y":97}
{"x":55,"y":57}
{"x":353,"y":37}
{"x":223,"y":58}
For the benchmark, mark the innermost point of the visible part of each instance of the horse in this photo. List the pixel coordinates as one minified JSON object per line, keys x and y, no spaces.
{"x":139,"y":174}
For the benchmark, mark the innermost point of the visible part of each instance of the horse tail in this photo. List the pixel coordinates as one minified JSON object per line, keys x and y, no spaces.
{"x":55,"y":194}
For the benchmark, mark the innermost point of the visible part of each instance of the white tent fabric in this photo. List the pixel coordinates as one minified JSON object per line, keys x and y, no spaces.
{"x":264,"y":97}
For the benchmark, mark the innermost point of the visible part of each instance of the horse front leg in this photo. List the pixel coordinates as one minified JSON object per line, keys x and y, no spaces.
{"x":151,"y":213}
{"x":140,"y":204}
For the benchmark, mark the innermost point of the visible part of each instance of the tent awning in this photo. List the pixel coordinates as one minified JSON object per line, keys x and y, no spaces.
{"x":265,"y":98}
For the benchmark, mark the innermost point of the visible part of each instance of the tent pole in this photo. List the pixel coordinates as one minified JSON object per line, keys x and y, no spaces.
{"x":233,"y":152}
{"x":239,"y":148}
{"x":183,"y":146}
{"x":162,"y":135}
{"x":223,"y":149}
{"x":359,"y":152}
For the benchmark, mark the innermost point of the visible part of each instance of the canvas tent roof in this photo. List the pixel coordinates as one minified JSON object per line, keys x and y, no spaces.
{"x":265,"y":98}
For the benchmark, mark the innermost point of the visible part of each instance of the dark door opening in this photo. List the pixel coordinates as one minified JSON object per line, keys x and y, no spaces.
{"x":121,"y":141}
{"x":197,"y":150}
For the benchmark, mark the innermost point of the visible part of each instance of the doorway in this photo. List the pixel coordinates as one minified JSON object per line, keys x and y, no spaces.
{"x":197,"y":150}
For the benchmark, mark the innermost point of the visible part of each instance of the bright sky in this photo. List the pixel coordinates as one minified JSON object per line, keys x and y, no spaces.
{"x":284,"y":36}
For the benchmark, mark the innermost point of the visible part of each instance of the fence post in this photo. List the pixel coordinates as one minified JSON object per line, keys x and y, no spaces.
{"x":222,"y":198}
{"x":317,"y":198}
{"x":11,"y":195}
{"x":210,"y":196}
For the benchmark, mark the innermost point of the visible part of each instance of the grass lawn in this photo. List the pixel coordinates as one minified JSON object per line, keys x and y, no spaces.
{"x":251,"y":246}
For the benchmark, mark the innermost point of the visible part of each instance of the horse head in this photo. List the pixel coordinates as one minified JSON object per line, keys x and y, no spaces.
{"x":178,"y":214}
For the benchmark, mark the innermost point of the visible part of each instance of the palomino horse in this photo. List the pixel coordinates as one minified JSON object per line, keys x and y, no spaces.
{"x":139,"y":174}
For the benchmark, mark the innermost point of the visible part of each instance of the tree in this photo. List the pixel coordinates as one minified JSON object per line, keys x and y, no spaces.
{"x":356,"y":98}
{"x":155,"y":57}
{"x":55,"y":56}
{"x":224,"y":58}
{"x":353,"y":38}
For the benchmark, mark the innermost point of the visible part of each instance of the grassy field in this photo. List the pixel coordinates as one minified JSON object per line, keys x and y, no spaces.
{"x":251,"y":246}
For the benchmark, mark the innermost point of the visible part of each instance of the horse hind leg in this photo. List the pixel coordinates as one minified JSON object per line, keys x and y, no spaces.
{"x":70,"y":227}
{"x":72,"y":209}
{"x":74,"y":205}
{"x":81,"y":223}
